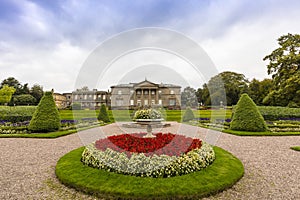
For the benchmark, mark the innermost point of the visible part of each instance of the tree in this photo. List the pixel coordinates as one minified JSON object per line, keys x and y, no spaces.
{"x":103,"y":116}
{"x":24,"y":99}
{"x":284,"y":66}
{"x":188,"y":97}
{"x":37,"y":92}
{"x":258,"y":90}
{"x":246,"y":116}
{"x":46,"y":117}
{"x":226,"y":87}
{"x":12,"y":82}
{"x":188,"y":115}
{"x":6,"y":93}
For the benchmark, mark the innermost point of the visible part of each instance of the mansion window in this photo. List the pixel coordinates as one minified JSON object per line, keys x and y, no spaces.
{"x":146,"y":102}
{"x":146,"y":92}
{"x":153,"y":92}
{"x":159,"y":102}
{"x":104,"y":97}
{"x":138,"y":92}
{"x":85,"y":96}
{"x":172,"y":92}
{"x":119,"y":92}
{"x":95,"y":97}
{"x":139,"y":102}
{"x":132,"y":102}
{"x":172,"y":102}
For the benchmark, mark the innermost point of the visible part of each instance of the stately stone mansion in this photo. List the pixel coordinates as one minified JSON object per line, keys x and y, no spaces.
{"x":124,"y":96}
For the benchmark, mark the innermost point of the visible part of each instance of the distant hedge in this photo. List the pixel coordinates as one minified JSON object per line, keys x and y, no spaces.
{"x":46,"y":117}
{"x":16,"y":113}
{"x":246,"y":116}
{"x":276,"y":112}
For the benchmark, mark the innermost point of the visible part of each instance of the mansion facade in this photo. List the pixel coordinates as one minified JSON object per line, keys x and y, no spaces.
{"x":145,"y":94}
{"x":124,"y":96}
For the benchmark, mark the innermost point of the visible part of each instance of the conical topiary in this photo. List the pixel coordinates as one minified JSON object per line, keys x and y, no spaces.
{"x":46,"y":117}
{"x":246,"y":116}
{"x":103,"y":116}
{"x":188,"y":115}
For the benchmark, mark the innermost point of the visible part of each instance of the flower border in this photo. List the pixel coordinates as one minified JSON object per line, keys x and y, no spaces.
{"x":162,"y":166}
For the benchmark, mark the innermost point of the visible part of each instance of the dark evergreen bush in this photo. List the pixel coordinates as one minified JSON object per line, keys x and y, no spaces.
{"x":188,"y":115}
{"x":246,"y":116}
{"x":103,"y":116}
{"x":46,"y":117}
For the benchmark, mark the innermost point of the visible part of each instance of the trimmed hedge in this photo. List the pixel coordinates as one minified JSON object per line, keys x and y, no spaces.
{"x":103,"y":116}
{"x":46,"y":117}
{"x":277,"y":112}
{"x":246,"y":116}
{"x":188,"y":115}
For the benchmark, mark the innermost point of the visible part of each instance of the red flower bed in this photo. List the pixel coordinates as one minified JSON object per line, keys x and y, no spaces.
{"x":168,"y":144}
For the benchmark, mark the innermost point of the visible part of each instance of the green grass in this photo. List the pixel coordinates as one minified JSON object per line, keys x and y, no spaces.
{"x":225,"y":171}
{"x":50,"y":135}
{"x":296,"y":148}
{"x":248,"y":133}
{"x":125,"y":115}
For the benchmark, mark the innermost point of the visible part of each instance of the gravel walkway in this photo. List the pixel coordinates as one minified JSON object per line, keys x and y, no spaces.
{"x":272,"y":170}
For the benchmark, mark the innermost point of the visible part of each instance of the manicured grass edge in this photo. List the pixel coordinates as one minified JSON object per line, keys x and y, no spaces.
{"x":296,"y":148}
{"x":50,"y":135}
{"x":248,"y":133}
{"x":225,"y":171}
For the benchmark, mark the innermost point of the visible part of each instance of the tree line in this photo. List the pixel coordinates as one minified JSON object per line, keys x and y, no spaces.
{"x":12,"y":92}
{"x":283,"y":89}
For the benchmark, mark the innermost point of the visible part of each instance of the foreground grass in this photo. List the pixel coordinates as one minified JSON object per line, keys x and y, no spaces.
{"x":49,"y":135}
{"x":248,"y":133}
{"x":225,"y":171}
{"x":296,"y":148}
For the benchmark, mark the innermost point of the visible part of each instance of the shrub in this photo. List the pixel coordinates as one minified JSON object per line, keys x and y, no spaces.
{"x":188,"y":115}
{"x":46,"y":117}
{"x":147,"y":114}
{"x":246,"y":116}
{"x":103,"y":116}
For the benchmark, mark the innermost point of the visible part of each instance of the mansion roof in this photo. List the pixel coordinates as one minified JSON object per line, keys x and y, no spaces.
{"x":145,"y":83}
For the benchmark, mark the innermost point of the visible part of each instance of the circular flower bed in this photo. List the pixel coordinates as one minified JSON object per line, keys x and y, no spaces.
{"x":165,"y":155}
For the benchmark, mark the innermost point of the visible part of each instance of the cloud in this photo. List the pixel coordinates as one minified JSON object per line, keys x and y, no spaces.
{"x":46,"y":42}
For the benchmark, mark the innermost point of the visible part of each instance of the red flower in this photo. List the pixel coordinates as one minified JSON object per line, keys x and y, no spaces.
{"x":168,"y":144}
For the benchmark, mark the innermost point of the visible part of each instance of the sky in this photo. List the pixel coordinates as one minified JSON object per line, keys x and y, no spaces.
{"x":50,"y":42}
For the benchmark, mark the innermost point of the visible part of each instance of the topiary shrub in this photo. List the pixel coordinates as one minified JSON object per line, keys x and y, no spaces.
{"x":103,"y":116}
{"x":46,"y":117}
{"x":188,"y":115}
{"x":246,"y":116}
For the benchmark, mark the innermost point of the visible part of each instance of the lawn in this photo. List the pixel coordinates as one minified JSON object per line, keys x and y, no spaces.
{"x":224,"y":172}
{"x":125,"y":115}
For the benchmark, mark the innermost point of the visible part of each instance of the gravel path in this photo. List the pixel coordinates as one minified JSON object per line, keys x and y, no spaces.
{"x":272,"y":170}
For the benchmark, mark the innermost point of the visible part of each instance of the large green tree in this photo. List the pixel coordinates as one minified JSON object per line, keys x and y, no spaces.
{"x":12,"y":82}
{"x":188,"y":97}
{"x":6,"y":93}
{"x":226,"y":87}
{"x":258,"y":90}
{"x":37,"y":92}
{"x":284,"y":66}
